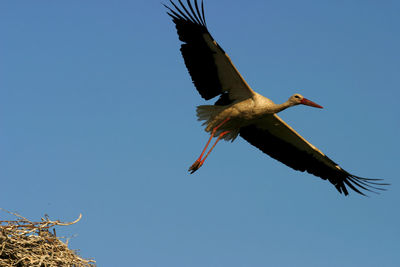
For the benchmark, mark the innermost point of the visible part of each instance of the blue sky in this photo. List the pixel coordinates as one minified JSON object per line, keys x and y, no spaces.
{"x":97,"y":116}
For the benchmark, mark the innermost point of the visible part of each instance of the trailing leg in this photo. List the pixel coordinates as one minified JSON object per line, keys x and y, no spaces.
{"x":197,"y":164}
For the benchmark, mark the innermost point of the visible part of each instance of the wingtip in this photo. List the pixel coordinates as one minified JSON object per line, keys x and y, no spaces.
{"x":360,"y":184}
{"x":182,"y":12}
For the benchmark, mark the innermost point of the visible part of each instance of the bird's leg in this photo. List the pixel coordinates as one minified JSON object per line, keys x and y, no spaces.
{"x":197,"y":164}
{"x":209,"y":151}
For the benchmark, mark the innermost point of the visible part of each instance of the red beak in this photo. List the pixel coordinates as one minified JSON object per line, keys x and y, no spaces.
{"x":307,"y":102}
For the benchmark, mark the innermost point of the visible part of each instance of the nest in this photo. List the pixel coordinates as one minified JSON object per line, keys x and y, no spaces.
{"x":25,"y":243}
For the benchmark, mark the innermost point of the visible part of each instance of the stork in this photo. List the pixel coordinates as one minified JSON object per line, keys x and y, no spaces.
{"x":239,"y":110}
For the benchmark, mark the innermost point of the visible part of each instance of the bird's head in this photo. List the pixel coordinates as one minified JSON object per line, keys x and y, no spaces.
{"x":297,"y":99}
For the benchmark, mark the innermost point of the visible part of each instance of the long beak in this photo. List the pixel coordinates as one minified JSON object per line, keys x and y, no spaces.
{"x":307,"y":102}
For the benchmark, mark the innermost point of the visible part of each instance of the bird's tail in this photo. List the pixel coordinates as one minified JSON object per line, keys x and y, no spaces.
{"x":210,"y":115}
{"x":207,"y":113}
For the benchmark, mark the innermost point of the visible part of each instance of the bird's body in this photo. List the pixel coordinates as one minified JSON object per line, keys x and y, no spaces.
{"x":239,"y":110}
{"x":240,"y":114}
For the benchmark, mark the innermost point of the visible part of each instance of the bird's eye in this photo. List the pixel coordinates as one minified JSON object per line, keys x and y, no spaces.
{"x":296,"y":96}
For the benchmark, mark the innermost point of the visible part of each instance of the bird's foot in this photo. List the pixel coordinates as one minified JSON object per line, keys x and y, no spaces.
{"x":195,"y":166}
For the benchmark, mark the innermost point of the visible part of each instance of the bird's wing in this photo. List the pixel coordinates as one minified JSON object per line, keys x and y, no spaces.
{"x":277,"y":139}
{"x":211,"y":69}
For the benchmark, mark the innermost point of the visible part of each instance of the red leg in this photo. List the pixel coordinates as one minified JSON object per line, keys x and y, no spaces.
{"x":209,"y":151}
{"x":197,"y":164}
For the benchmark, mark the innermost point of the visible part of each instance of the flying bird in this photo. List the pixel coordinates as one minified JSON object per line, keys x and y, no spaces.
{"x":239,"y":110}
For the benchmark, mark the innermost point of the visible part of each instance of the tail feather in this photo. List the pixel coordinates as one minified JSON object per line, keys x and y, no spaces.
{"x":207,"y":113}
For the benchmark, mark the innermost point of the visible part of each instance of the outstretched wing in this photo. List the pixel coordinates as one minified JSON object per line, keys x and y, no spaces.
{"x":211,"y":69}
{"x":277,"y":139}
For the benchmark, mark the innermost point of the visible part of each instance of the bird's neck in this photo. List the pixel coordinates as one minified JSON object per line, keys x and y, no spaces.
{"x":279,"y":107}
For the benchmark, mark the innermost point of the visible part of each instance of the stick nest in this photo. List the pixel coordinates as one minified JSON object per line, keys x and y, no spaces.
{"x":25,"y":243}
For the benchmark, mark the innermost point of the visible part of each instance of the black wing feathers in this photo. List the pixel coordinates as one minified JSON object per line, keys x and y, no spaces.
{"x":198,"y":57}
{"x":302,"y":161}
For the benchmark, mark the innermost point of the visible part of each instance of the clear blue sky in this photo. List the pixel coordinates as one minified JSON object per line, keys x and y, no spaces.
{"x":97,"y":116}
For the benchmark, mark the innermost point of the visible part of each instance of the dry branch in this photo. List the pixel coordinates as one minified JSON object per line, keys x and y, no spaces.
{"x":25,"y":243}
